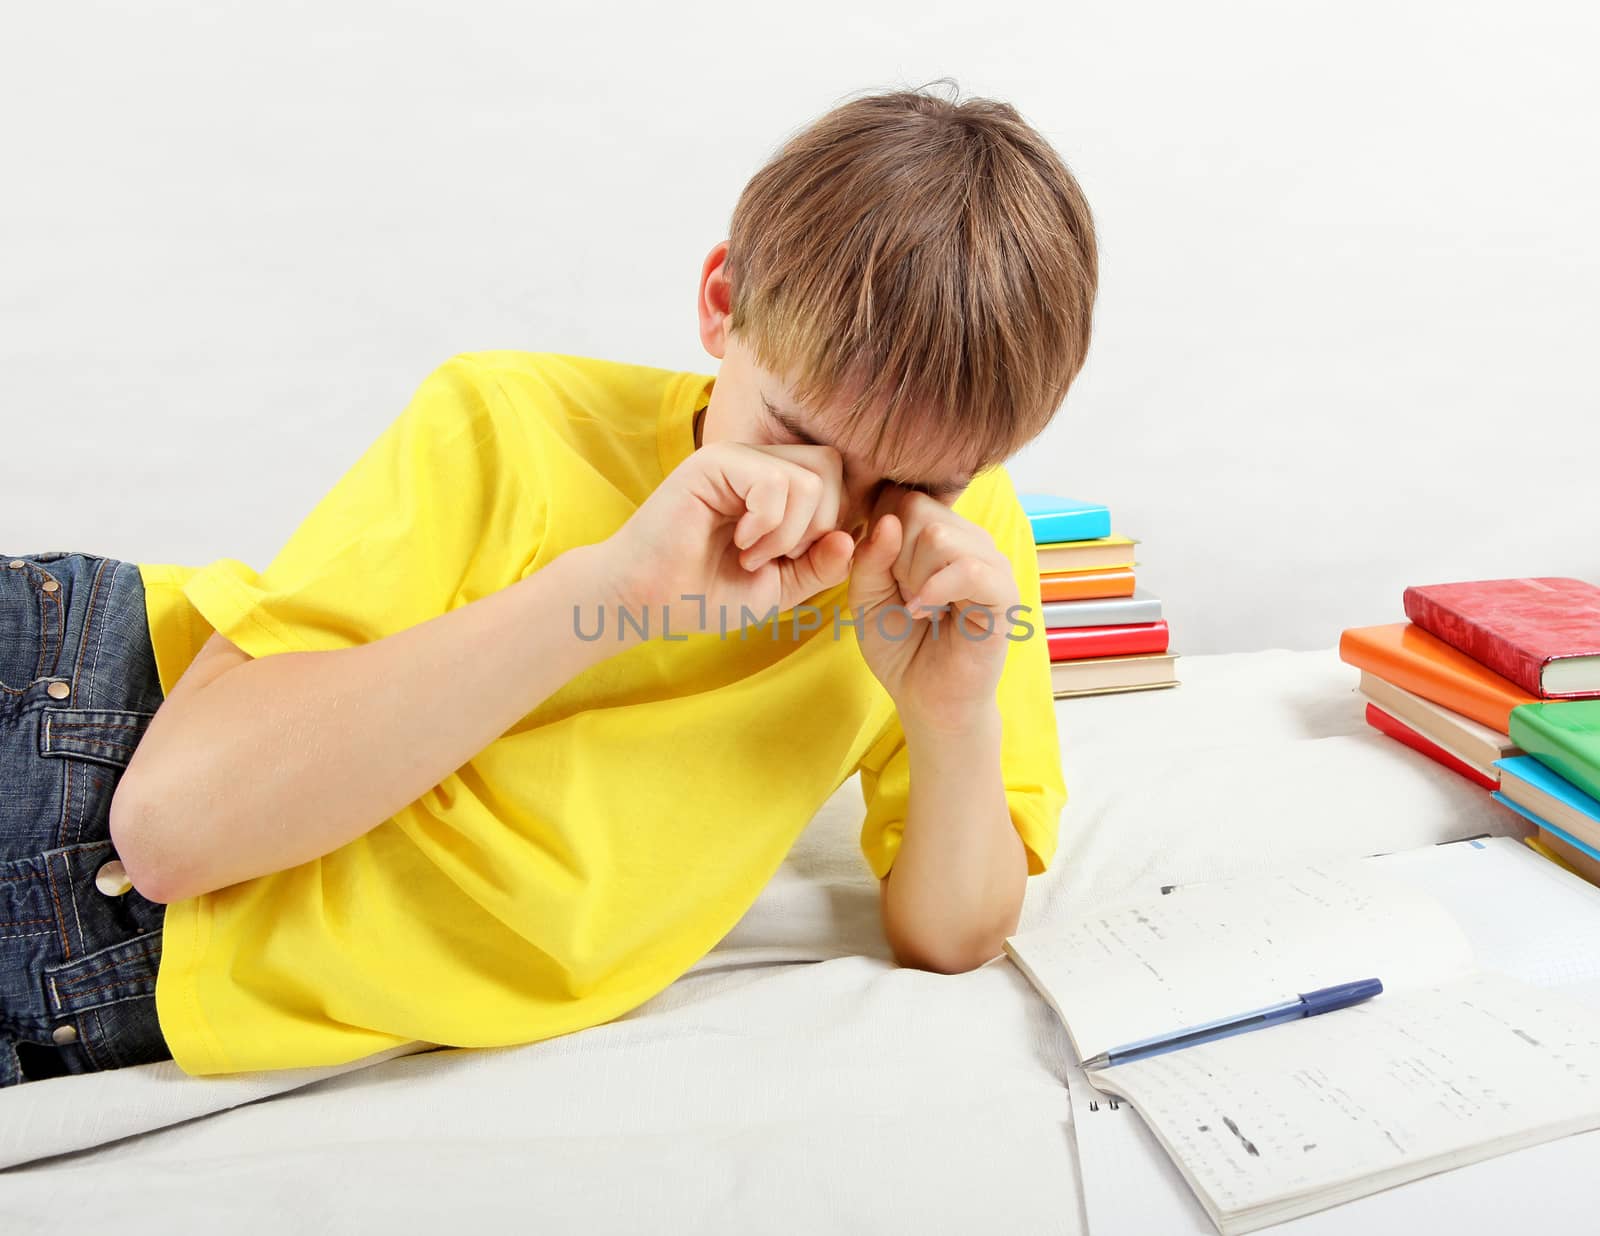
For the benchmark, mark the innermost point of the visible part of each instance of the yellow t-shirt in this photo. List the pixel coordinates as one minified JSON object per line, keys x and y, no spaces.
{"x":590,"y":855}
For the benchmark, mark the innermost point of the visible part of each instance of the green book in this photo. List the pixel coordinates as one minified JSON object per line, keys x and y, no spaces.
{"x":1564,"y":736}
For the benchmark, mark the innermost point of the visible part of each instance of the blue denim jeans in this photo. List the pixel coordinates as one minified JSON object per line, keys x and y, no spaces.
{"x":79,"y":947}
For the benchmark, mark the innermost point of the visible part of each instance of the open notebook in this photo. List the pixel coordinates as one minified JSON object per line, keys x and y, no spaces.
{"x":1472,"y":1050}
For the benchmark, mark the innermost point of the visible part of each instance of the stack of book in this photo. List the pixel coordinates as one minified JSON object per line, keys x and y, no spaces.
{"x":1499,"y":680}
{"x":1556,"y":784}
{"x":1106,"y":634}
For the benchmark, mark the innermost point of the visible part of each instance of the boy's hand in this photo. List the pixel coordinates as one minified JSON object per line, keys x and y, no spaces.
{"x":728,"y":507}
{"x":947,"y":570}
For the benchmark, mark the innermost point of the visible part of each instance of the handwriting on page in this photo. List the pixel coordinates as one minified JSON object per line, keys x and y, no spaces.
{"x":1392,"y":1089}
{"x":1214,"y":950}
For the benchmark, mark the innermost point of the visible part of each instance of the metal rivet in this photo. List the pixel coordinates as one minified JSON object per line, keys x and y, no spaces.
{"x":112,"y":879}
{"x":62,"y":1035}
{"x":49,"y":585}
{"x":58,"y":690}
{"x":16,"y":564}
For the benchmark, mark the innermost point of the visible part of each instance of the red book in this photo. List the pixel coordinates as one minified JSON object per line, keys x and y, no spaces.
{"x":1075,"y":643}
{"x":1542,"y":634}
{"x":1396,"y":728}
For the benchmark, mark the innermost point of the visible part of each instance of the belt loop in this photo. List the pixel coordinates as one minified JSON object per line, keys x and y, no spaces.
{"x":103,"y":735}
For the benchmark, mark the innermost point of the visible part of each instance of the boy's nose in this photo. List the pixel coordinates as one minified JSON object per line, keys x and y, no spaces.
{"x":855,"y":515}
{"x":855,"y":507}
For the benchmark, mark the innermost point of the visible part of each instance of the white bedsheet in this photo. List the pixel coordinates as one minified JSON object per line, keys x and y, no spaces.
{"x":795,"y":1079}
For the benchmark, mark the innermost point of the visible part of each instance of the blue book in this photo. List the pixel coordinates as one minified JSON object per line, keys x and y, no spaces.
{"x":1064,"y":519}
{"x":1554,"y":796}
{"x":1582,"y":847}
{"x":1542,"y":777}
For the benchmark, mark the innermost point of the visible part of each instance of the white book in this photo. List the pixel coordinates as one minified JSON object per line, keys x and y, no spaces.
{"x":1471,"y":1051}
{"x":1142,"y":606}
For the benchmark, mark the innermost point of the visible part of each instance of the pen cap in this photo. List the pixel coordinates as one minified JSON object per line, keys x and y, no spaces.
{"x":1340,"y":996}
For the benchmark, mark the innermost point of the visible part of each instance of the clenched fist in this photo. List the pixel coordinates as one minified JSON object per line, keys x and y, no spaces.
{"x":938,"y":607}
{"x":734,"y":526}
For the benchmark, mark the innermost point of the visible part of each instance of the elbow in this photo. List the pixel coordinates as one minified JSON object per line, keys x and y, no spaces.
{"x":944,"y":963}
{"x":134,"y":839}
{"x":944,"y":957}
{"x":939,"y":945}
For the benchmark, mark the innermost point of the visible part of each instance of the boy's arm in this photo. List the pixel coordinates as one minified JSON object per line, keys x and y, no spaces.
{"x":281,"y":759}
{"x":955,"y":890}
{"x":959,"y":815}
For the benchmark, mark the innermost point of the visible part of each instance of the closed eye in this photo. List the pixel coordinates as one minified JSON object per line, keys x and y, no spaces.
{"x":789,"y":425}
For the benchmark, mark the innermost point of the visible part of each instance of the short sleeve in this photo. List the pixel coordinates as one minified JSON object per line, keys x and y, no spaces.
{"x":1030,"y":752}
{"x":430,"y":515}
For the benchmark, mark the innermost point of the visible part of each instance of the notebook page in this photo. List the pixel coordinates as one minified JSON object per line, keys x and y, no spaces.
{"x":1330,"y":1108}
{"x":1124,"y":973}
{"x":1129,"y":1183}
{"x":1132,"y":1187}
{"x":1522,"y":914}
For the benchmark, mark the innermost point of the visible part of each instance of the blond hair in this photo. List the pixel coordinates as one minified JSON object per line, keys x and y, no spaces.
{"x":932,"y":264}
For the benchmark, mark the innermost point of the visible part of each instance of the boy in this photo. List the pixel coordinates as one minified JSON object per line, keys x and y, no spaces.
{"x":577,"y":806}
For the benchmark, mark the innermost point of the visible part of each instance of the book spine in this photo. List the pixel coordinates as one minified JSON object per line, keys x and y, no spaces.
{"x":1075,"y":643}
{"x":1115,"y":612}
{"x":1399,"y":730}
{"x":1536,"y":738}
{"x":1086,"y":586}
{"x":1070,"y":526}
{"x":1506,"y":657}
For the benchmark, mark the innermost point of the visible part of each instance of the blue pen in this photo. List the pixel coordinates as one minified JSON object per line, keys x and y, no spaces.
{"x":1307,"y":1004}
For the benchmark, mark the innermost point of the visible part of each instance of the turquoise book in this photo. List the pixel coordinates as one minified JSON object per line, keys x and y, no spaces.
{"x":1563,"y":735}
{"x":1554,"y":830}
{"x":1552,"y":784}
{"x":1065,"y":519}
{"x":1549,"y":800}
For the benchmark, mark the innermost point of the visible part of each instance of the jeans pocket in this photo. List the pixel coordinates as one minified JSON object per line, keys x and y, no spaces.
{"x":32,"y":623}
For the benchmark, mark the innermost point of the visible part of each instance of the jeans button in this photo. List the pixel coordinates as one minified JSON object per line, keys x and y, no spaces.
{"x":62,"y":1035}
{"x":58,"y":690}
{"x":16,"y":564}
{"x":112,"y":879}
{"x":49,"y":585}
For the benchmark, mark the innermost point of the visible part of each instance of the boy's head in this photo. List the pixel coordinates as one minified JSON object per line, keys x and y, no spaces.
{"x":910,"y":280}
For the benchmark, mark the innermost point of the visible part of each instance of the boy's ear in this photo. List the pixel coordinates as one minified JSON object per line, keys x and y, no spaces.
{"x":715,"y":302}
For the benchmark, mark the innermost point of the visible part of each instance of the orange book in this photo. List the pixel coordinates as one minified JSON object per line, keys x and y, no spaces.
{"x":1404,"y":654}
{"x":1084,"y":585}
